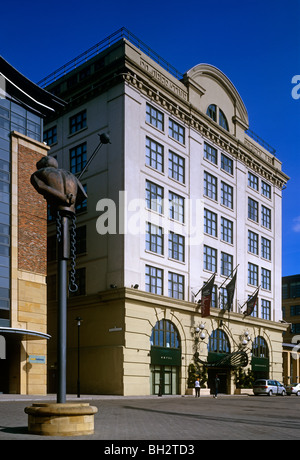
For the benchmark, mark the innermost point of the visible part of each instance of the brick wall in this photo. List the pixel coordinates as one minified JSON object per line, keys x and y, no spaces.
{"x":32,"y":213}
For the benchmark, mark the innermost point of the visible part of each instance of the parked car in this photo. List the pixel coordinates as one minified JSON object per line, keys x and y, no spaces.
{"x":293,"y":389}
{"x":268,"y":387}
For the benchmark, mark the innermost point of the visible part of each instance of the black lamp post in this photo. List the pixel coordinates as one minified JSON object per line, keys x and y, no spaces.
{"x":78,"y":319}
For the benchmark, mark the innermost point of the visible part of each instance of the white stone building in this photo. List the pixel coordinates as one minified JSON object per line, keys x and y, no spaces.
{"x":180,"y":193}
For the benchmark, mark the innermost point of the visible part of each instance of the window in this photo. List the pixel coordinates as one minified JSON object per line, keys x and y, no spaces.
{"x":223,"y":298}
{"x":266,"y":189}
{"x":223,"y":120}
{"x":210,"y":223}
{"x":295,"y":310}
{"x":210,"y":153}
{"x":78,"y":158}
{"x":252,"y":181}
{"x":210,"y":186}
{"x":164,"y":334}
{"x":210,"y":259}
{"x":227,"y":195}
{"x":265,"y":248}
{"x":226,"y":230}
{"x":154,"y":155}
{"x":218,"y":342}
{"x":252,"y":209}
{"x":254,"y":313}
{"x":214,"y":300}
{"x":295,"y":328}
{"x":50,"y":136}
{"x":266,"y":217}
{"x":78,"y":122}
{"x":252,"y":242}
{"x":226,"y":164}
{"x":176,"y":167}
{"x":176,"y":286}
{"x":176,"y":207}
{"x":154,"y":197}
{"x":260,"y":348}
{"x":154,"y":117}
{"x":266,"y":279}
{"x":285,"y":291}
{"x":4,"y":240}
{"x":252,"y":274}
{"x":213,"y":112}
{"x":83,"y":205}
{"x":265,"y":309}
{"x":176,"y":246}
{"x":154,"y":239}
{"x":226,"y":264}
{"x":176,"y":131}
{"x":295,"y":289}
{"x":154,"y":280}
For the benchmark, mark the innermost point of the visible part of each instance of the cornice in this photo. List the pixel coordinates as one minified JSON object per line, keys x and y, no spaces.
{"x":254,"y":157}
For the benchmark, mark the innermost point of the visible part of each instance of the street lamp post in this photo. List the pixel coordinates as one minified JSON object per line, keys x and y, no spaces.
{"x":78,"y":319}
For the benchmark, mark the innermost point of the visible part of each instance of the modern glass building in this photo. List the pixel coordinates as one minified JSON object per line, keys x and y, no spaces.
{"x":23,"y":326}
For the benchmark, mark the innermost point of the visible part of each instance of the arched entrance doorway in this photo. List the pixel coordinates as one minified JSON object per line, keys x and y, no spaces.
{"x":260,"y":358}
{"x":218,"y":346}
{"x":165,"y":359}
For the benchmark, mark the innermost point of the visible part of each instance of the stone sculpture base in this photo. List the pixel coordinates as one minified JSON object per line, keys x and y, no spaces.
{"x":61,"y":419}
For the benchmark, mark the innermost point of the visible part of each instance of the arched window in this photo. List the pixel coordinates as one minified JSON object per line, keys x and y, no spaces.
{"x":165,"y":334}
{"x":260,"y":348}
{"x":215,"y":113}
{"x":223,"y":120}
{"x":218,"y":342}
{"x":212,"y":112}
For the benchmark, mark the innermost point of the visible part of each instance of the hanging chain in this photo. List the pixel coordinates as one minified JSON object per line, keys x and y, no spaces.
{"x":58,"y":226}
{"x":73,"y":287}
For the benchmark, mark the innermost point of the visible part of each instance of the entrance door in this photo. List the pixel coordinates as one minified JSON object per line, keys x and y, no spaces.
{"x":165,"y":359}
{"x":223,"y":375}
{"x":164,"y":380}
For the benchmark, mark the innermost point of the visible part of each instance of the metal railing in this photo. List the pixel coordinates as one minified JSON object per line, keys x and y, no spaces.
{"x":101,"y":46}
{"x":260,"y":141}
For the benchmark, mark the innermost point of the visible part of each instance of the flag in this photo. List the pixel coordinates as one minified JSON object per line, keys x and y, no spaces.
{"x":251,"y":303}
{"x":230,"y":288}
{"x":206,"y":296}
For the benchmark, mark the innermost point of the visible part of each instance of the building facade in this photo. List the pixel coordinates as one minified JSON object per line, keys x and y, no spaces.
{"x":23,"y":227}
{"x":291,"y":338}
{"x":183,"y":192}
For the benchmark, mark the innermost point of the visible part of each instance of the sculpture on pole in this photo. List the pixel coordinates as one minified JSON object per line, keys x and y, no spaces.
{"x":62,"y":191}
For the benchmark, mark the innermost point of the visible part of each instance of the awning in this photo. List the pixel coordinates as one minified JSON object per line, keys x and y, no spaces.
{"x":22,"y":334}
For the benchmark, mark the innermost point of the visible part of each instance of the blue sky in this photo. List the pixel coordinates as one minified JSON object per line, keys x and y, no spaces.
{"x":256,"y":43}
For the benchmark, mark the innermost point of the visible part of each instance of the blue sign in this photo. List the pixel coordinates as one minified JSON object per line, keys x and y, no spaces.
{"x":37,"y":359}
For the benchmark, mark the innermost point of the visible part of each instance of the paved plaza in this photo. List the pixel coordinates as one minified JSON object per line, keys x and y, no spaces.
{"x":177,"y":419}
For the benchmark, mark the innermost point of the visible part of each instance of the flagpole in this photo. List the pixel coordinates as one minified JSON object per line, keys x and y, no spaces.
{"x":229,"y":276}
{"x":255,"y":292}
{"x":205,"y":284}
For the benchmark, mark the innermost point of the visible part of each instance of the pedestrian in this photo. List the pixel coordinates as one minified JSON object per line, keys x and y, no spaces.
{"x":217,"y":382}
{"x":197,"y":388}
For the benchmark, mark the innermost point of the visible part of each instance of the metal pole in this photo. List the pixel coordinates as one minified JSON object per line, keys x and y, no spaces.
{"x":78,"y":356}
{"x":62,"y":309}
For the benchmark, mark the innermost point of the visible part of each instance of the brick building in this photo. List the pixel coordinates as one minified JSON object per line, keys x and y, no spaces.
{"x":23,"y":234}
